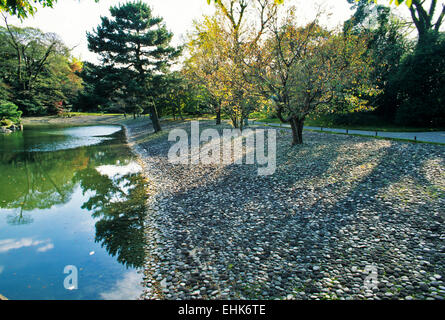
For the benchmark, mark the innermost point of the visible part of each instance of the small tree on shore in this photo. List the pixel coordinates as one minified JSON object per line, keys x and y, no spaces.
{"x":242,"y":23}
{"x":302,"y":69}
{"x":204,"y":67}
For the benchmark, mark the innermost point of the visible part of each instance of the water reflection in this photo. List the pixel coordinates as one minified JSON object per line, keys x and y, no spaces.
{"x":124,"y":288}
{"x":14,"y":244}
{"x":119,"y":204}
{"x":100,"y":180}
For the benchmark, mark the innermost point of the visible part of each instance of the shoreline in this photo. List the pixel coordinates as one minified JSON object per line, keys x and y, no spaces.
{"x":150,"y":232}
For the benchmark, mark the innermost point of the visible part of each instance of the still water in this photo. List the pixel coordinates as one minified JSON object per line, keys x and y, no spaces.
{"x":70,"y":196}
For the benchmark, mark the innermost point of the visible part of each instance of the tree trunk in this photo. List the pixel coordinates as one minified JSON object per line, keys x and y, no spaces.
{"x":297,"y":130}
{"x":300,"y":125}
{"x":155,"y":119}
{"x":218,"y":116}
{"x":234,"y":121}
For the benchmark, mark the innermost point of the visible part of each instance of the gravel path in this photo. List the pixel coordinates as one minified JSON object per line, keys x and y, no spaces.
{"x":433,"y":136}
{"x":336,"y":207}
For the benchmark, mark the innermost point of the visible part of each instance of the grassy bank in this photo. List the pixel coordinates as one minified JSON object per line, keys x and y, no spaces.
{"x":325,"y":121}
{"x":353,"y":121}
{"x":80,"y":119}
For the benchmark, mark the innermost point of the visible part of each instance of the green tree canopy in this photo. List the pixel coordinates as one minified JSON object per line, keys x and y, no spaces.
{"x":23,"y":8}
{"x":37,"y":70}
{"x":427,"y":19}
{"x":9,"y":113}
{"x":136,"y":43}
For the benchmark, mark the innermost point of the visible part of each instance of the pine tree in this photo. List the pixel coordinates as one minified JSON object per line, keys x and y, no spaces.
{"x":135,"y":41}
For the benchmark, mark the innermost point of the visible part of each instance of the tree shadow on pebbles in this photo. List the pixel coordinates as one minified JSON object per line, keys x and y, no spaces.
{"x":334,"y":206}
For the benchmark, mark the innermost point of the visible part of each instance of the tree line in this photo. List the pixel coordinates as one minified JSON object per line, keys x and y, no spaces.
{"x":249,"y":56}
{"x":37,"y":73}
{"x":257,"y":54}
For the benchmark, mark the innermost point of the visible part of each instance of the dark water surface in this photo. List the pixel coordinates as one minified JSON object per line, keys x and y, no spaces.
{"x":70,"y":196}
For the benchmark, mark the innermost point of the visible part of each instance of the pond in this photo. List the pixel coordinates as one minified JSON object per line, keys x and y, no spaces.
{"x":72,"y":209}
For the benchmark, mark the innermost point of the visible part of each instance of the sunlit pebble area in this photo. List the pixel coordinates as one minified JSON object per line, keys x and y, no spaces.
{"x":335,"y":207}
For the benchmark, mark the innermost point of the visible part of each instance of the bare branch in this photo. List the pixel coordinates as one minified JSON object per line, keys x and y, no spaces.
{"x":440,"y":19}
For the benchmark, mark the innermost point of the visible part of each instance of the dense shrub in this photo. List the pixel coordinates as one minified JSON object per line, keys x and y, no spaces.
{"x":420,"y":86}
{"x":9,"y":113}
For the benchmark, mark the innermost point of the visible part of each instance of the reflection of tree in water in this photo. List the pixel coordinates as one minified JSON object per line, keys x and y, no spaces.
{"x":41,"y":180}
{"x":119,"y":202}
{"x":19,"y":218}
{"x":36,"y":181}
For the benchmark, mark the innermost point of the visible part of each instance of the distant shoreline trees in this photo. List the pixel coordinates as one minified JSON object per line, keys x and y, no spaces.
{"x":37,"y":71}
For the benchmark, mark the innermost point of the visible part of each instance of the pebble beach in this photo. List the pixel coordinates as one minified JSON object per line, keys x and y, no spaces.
{"x":342,"y":217}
